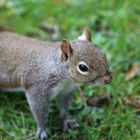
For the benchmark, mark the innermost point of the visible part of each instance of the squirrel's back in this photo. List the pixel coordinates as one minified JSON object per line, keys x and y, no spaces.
{"x":19,"y":53}
{"x":10,"y":39}
{"x":18,"y":47}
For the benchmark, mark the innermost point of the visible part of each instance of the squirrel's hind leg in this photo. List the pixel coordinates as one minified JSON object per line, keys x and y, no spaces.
{"x":68,"y":121}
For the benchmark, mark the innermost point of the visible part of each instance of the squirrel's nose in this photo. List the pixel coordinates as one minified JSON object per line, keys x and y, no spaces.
{"x":108,"y":78}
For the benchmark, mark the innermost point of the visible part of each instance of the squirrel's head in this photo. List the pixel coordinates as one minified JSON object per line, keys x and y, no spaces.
{"x":85,"y":62}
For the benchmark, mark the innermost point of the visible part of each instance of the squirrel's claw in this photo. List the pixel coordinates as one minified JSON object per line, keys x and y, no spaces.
{"x":69,"y":124}
{"x":42,"y":134}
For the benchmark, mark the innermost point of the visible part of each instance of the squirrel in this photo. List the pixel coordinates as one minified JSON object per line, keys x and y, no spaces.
{"x":44,"y":68}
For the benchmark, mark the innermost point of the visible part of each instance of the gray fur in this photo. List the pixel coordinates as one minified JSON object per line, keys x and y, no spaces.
{"x":37,"y":67}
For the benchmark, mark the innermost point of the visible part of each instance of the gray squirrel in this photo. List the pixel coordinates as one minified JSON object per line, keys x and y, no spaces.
{"x":44,"y":69}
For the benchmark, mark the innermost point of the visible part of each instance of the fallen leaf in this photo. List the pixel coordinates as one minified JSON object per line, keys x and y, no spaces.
{"x":132,"y":72}
{"x":98,"y":101}
{"x":135,"y":103}
{"x":52,"y":29}
{"x":101,"y":138}
{"x":136,"y":111}
{"x":57,"y":1}
{"x":3,"y":28}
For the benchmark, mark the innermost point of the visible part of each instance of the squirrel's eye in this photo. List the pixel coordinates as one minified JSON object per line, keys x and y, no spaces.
{"x":83,"y":68}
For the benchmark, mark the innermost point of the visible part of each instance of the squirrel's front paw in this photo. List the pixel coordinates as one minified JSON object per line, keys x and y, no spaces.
{"x":42,"y":134}
{"x":70,"y":123}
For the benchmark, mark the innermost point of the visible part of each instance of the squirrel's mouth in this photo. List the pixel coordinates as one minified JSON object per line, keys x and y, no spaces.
{"x":95,"y":80}
{"x":107,"y":79}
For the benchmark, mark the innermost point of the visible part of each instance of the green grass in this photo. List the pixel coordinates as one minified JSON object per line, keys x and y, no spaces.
{"x":115,"y":26}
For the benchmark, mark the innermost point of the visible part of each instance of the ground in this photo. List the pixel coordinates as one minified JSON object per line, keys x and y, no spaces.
{"x":115,"y":27}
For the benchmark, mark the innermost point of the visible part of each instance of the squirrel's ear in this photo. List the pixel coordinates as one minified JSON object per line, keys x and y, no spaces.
{"x":66,"y":50}
{"x":86,"y":35}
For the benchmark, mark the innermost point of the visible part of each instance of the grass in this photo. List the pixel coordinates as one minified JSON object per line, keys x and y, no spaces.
{"x":115,"y":28}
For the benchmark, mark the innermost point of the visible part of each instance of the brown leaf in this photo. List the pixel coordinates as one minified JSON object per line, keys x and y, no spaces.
{"x":57,"y":1}
{"x":101,"y":138}
{"x":98,"y":101}
{"x":132,"y":72}
{"x":136,"y":111}
{"x":4,"y":28}
{"x":135,"y":103}
{"x":52,"y":29}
